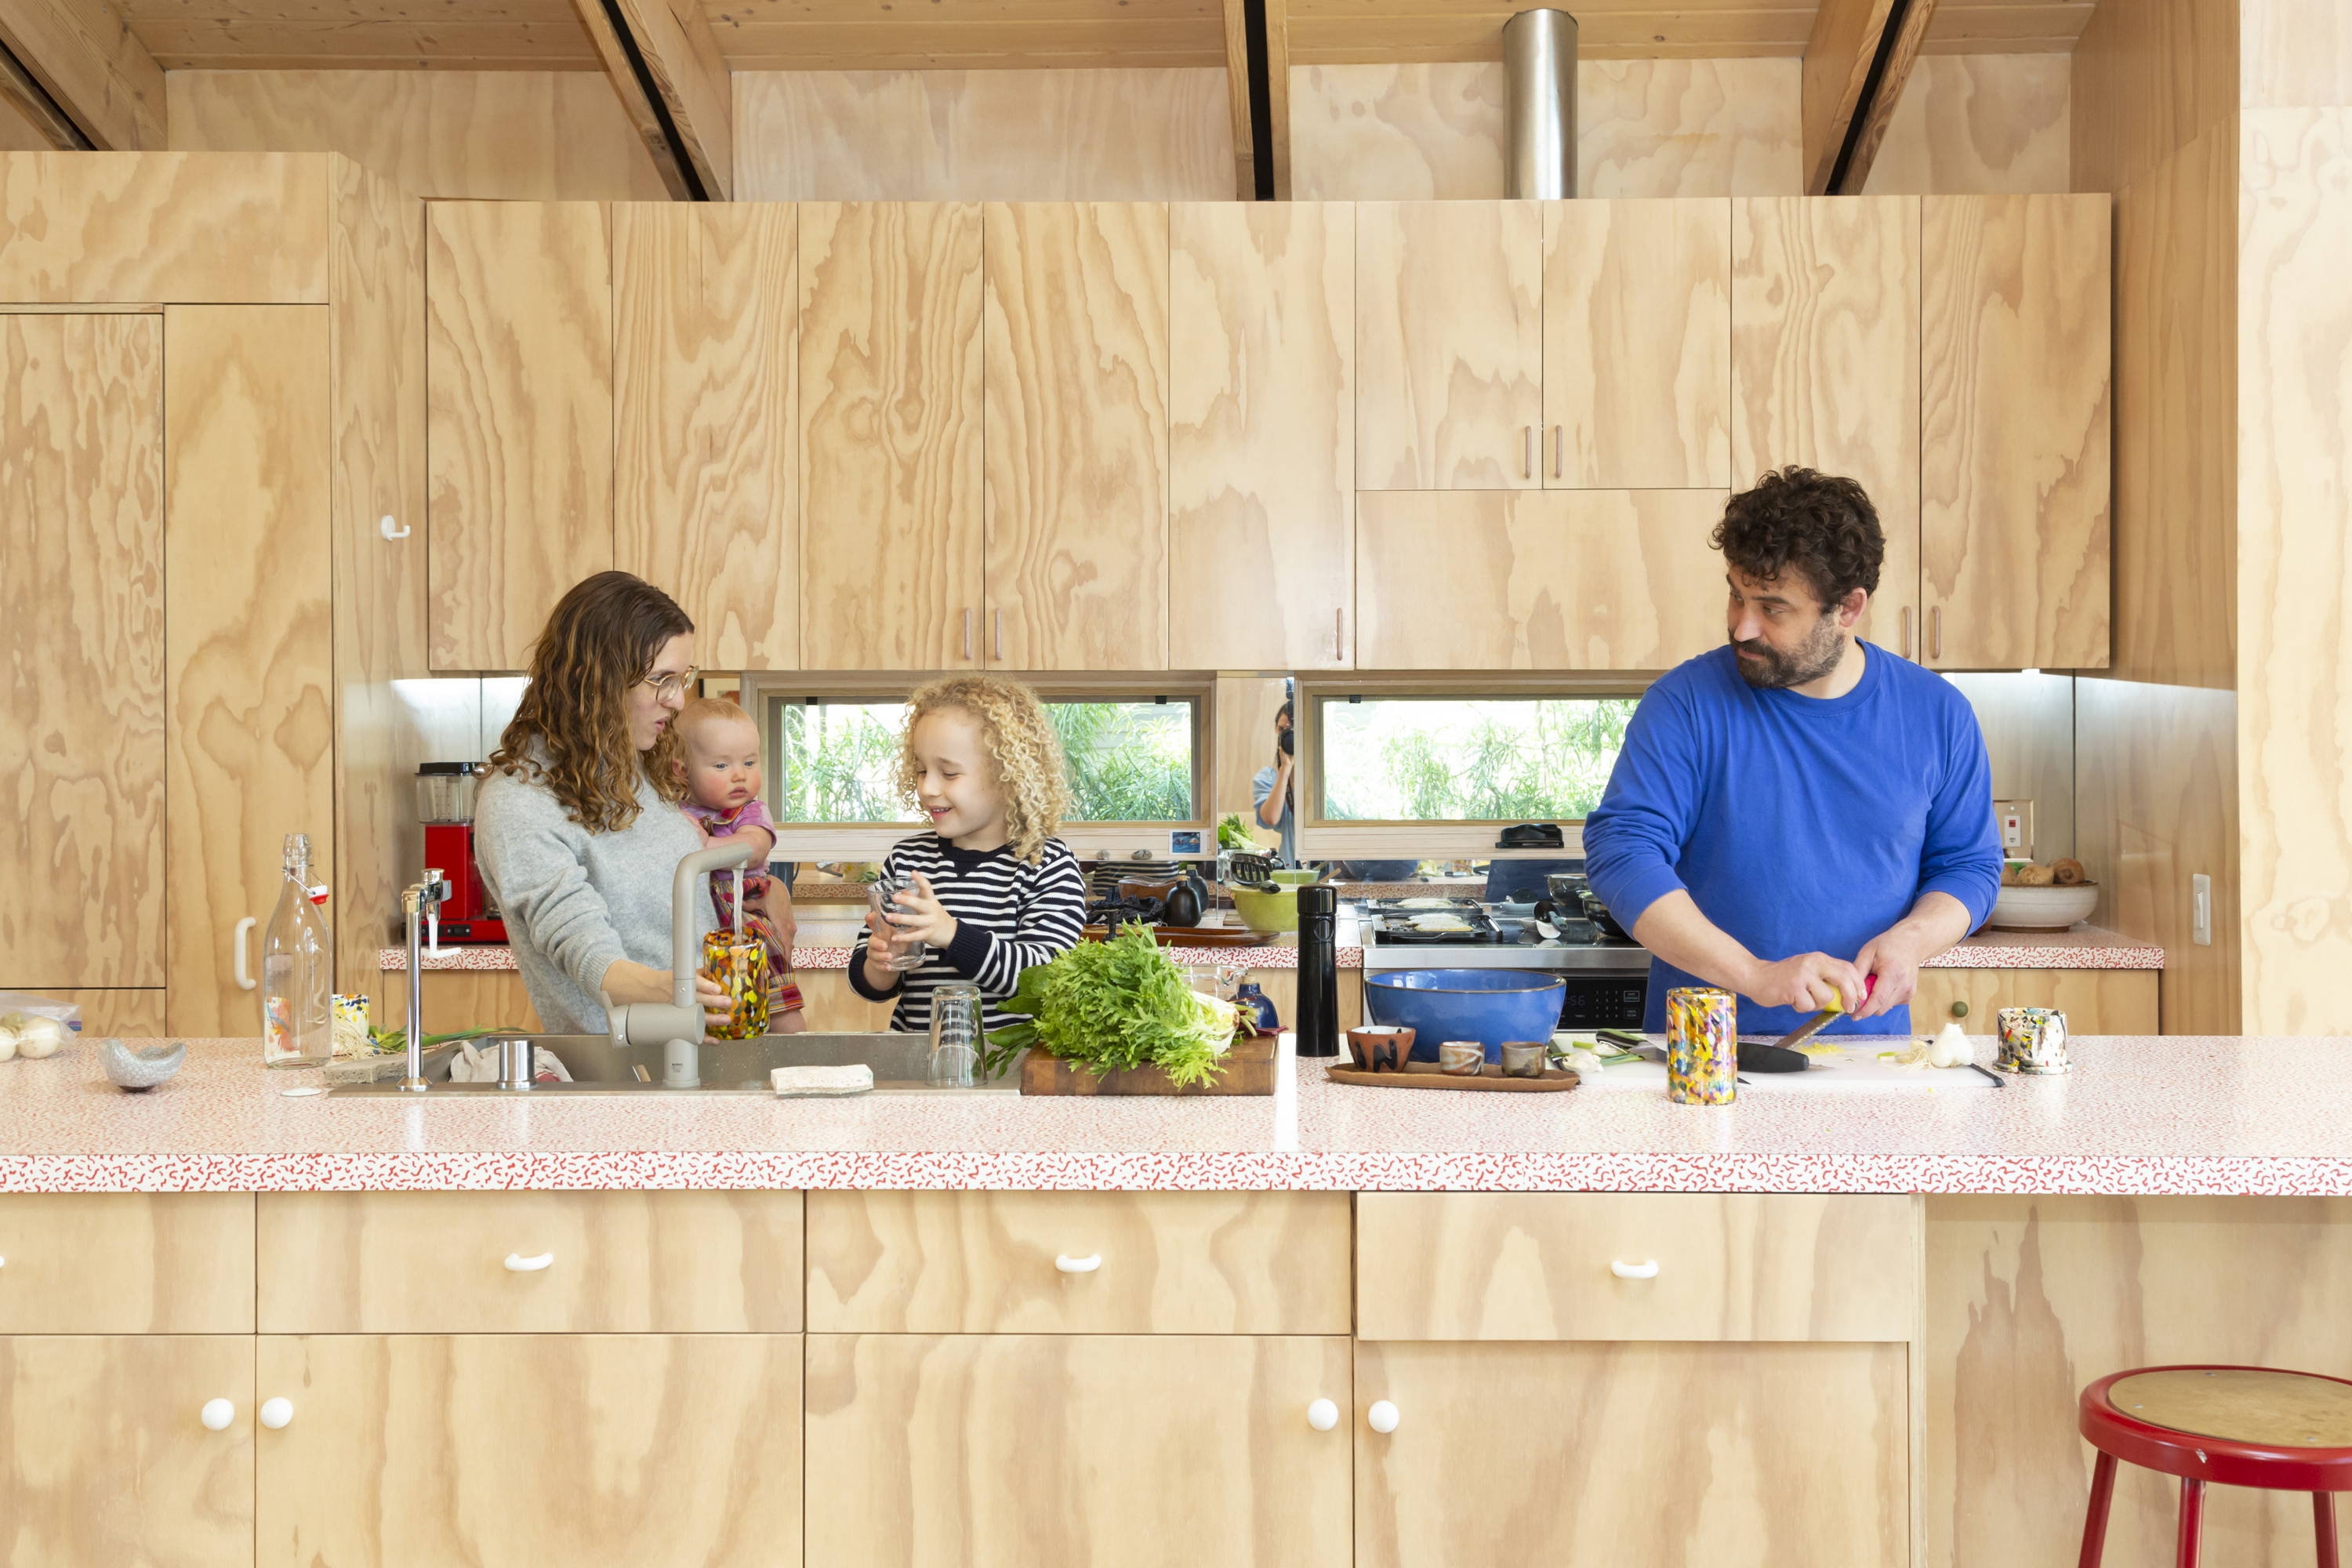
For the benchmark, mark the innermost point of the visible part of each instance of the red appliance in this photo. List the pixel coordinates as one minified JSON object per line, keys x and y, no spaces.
{"x":445,"y":804}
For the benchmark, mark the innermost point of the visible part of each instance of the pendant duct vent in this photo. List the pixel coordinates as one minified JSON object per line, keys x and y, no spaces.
{"x":1539,"y":57}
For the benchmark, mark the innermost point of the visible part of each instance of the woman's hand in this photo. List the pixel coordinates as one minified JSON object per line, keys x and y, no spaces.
{"x":921,"y":916}
{"x":717,"y":1008}
{"x":625,"y":983}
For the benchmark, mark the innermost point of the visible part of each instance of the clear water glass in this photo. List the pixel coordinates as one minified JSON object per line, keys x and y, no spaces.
{"x":955,"y":1035}
{"x":883,"y":899}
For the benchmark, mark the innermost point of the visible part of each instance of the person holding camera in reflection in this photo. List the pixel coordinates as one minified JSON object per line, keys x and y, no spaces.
{"x":1270,"y":789}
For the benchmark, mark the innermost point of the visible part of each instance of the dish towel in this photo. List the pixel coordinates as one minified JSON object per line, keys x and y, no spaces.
{"x":474,"y":1065}
{"x":855,"y":1079}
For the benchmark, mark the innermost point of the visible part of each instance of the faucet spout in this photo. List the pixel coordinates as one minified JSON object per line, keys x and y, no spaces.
{"x":678,"y":1024}
{"x":418,"y":903}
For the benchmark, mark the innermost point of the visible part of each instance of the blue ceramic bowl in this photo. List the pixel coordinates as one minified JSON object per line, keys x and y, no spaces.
{"x":1488,"y":1005}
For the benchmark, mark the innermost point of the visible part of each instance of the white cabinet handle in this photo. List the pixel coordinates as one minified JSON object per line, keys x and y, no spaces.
{"x":518,"y":1264}
{"x":1322,"y":1415}
{"x":237,"y":945}
{"x":276,"y":1413}
{"x":216,"y":1415}
{"x":1069,"y":1265}
{"x":1645,"y":1269}
{"x":1381,"y":1418}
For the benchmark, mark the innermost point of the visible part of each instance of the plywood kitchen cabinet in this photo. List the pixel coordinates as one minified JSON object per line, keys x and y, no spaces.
{"x":519,"y":375}
{"x":1449,"y":339}
{"x":1262,"y":409}
{"x":930,"y":1450}
{"x":1536,"y":580}
{"x":126,"y":1263}
{"x":518,"y":1451}
{"x":705,"y":426}
{"x":1075,"y":396}
{"x":2015,"y":368}
{"x":2096,"y":1001}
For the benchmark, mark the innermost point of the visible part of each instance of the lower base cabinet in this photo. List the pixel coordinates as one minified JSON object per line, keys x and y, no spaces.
{"x":1589,"y":1455}
{"x":106,"y":1460}
{"x":524,"y":1450}
{"x":926,"y":1450}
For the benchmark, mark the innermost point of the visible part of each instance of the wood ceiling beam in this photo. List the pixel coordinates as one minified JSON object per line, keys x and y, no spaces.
{"x":77,"y":73}
{"x":1257,"y":83}
{"x":664,"y":63}
{"x":1856,"y":62}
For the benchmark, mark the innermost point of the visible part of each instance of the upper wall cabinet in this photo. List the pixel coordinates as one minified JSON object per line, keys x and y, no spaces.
{"x":519,"y":376}
{"x":704,"y":424}
{"x":2013,"y":431}
{"x":890,"y":404}
{"x":1262,"y":406}
{"x":1076,"y":398}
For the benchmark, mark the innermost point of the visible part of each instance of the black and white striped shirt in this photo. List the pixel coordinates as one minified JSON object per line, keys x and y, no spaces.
{"x":1009,"y":915}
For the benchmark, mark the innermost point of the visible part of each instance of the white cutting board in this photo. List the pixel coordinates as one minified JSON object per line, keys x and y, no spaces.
{"x":1854,"y":1068}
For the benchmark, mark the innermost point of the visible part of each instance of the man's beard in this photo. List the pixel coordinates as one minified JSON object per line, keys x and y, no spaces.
{"x":1772,"y":671}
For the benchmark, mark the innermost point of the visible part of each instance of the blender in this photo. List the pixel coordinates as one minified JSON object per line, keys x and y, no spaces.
{"x":445,"y":804}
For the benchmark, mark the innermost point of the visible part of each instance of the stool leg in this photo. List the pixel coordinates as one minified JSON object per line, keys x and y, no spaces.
{"x":2193,"y":1521}
{"x":2323,"y":1521}
{"x":2094,"y":1520}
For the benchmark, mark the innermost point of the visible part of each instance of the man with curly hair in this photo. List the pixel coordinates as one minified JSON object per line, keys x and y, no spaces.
{"x":1799,"y":816}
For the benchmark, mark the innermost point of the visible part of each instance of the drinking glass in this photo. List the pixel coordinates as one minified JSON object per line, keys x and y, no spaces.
{"x":955,"y":1035}
{"x":883,"y":897}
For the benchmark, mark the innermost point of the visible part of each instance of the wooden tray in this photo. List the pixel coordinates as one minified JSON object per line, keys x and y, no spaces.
{"x":1425,"y":1075}
{"x":1249,"y":1069}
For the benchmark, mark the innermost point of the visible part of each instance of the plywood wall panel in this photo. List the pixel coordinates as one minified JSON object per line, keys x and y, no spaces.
{"x":82,"y":228}
{"x":1977,"y":124}
{"x":2028,"y":720}
{"x":2150,"y":78}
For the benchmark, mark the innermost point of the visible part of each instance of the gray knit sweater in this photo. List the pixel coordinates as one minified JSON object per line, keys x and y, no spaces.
{"x":575,"y":900}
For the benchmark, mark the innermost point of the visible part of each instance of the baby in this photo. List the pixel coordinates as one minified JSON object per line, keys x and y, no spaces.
{"x":722,"y":761}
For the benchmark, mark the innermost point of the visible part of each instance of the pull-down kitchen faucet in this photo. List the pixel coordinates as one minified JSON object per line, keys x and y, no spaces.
{"x":677,"y":1024}
{"x":419,"y":902}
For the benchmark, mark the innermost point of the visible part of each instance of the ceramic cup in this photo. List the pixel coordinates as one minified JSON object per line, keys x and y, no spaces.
{"x":1382,"y":1048}
{"x":2033,"y":1040}
{"x":1525,"y":1059}
{"x":1462,"y":1058}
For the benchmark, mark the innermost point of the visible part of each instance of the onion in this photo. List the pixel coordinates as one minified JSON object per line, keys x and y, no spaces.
{"x":40,"y":1038}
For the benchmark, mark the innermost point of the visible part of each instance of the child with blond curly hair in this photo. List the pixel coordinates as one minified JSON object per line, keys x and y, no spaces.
{"x":990,"y":890}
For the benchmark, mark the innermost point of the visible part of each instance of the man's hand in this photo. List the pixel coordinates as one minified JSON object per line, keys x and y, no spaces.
{"x":1809,"y":983}
{"x":921,"y":916}
{"x":1894,"y":958}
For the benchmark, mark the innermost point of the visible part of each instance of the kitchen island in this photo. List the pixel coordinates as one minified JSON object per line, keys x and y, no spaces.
{"x":517,"y":1329}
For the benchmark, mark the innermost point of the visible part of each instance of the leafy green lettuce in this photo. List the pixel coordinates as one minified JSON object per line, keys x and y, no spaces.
{"x":1116,"y":1004}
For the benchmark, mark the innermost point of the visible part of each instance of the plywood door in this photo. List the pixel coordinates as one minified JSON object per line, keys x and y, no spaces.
{"x":1076,"y":395}
{"x":81,"y":530}
{"x":2014,"y":367}
{"x":1825,"y":366}
{"x":1262,"y":408}
{"x":519,"y":1450}
{"x":519,"y":375}
{"x":248,"y":567}
{"x":1105,"y":1449}
{"x":104,"y":1459}
{"x":1545,"y":580}
{"x":890,"y":437}
{"x":1449,"y":344}
{"x":1595,"y":1456}
{"x":704,"y":504}
{"x":126,"y":1263}
{"x":2096,"y":1001}
{"x":1637,"y":344}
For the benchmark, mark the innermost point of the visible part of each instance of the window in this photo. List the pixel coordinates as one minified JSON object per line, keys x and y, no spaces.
{"x":834,"y":759}
{"x":1454,"y":759}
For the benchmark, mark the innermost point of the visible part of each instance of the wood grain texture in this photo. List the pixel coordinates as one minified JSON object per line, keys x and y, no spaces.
{"x":82,"y":527}
{"x":454,"y":999}
{"x":706,"y":347}
{"x":1449,"y":344}
{"x":127,"y":1263}
{"x":625,"y":1262}
{"x":79,"y":228}
{"x":1838,"y":58}
{"x":518,"y":370}
{"x":1075,"y":393}
{"x":93,"y":67}
{"x":102,"y":1459}
{"x":248,"y":568}
{"x":673,"y":86}
{"x":2018,"y":26}
{"x":1637,"y":345}
{"x":1325,"y":32}
{"x":890,"y":433}
{"x":2147,"y":80}
{"x":2030,"y":1299}
{"x":1725,"y":1421}
{"x":1825,"y":366}
{"x":1892,"y":69}
{"x":2013,"y":439}
{"x":1540,"y":580}
{"x":22,"y":131}
{"x":129,"y":1014}
{"x":1536,"y":1266}
{"x":513,"y":1450}
{"x":938,"y":135}
{"x":846,"y":36}
{"x":932,"y":1450}
{"x":1262,"y":412}
{"x":2295,"y":55}
{"x":2096,"y":1001}
{"x":1173,"y":1263}
{"x":1977,"y":124}
{"x":513,"y":135}
{"x":831,"y":1004}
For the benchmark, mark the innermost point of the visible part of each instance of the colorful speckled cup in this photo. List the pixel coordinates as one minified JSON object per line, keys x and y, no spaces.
{"x":1702,"y":1046}
{"x":2033,"y":1041}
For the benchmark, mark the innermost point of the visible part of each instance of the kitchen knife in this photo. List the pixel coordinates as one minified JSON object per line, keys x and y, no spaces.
{"x":1804,"y":1031}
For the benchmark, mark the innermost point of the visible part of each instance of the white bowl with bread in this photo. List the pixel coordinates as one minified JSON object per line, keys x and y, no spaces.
{"x":2044,"y":898}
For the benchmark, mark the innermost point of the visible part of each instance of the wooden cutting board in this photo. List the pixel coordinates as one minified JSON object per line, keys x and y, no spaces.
{"x":1249,"y":1069}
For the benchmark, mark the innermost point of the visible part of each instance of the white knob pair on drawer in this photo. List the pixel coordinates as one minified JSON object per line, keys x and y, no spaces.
{"x":1323,"y":1415}
{"x":218,"y":1415}
{"x":1069,"y":1265}
{"x":1645,"y":1269}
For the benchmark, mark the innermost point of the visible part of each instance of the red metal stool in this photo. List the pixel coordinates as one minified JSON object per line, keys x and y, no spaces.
{"x":2238,"y":1426}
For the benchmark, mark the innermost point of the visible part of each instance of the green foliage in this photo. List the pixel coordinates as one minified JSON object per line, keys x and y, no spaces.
{"x":1232,"y":834}
{"x":1419,"y":761}
{"x":1116,"y":1004}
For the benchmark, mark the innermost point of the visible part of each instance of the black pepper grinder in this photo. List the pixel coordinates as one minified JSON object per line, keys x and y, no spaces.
{"x":1318,"y":971}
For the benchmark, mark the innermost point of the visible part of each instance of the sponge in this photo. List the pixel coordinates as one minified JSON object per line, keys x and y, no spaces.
{"x":809,"y":1080}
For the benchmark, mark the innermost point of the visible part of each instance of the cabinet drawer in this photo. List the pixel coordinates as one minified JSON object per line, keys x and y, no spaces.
{"x":126,"y":1263}
{"x":1636,"y":1265}
{"x":1117,"y":1263}
{"x":661,"y":1262}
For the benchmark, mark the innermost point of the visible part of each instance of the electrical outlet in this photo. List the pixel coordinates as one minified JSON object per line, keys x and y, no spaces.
{"x":2200,"y":910}
{"x":2016,"y":820}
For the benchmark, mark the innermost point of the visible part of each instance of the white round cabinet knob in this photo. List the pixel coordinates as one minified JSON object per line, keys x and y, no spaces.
{"x":276,"y":1413}
{"x":1322,"y":1415}
{"x":1645,"y":1269}
{"x":216,"y":1415}
{"x":518,"y":1264}
{"x":1069,"y":1265}
{"x":1381,"y":1418}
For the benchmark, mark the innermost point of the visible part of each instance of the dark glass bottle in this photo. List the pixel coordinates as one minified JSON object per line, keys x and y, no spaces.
{"x":1318,"y":971}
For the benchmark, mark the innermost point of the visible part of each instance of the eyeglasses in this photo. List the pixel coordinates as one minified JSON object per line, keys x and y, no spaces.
{"x":669,"y":688}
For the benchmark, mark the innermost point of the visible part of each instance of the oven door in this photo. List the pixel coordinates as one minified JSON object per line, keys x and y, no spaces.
{"x":1603,"y":999}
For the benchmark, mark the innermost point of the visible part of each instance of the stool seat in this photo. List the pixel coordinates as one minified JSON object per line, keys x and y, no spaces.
{"x":2246,"y":1404}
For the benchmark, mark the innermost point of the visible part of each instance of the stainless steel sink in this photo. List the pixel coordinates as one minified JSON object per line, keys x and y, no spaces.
{"x":900,"y":1064}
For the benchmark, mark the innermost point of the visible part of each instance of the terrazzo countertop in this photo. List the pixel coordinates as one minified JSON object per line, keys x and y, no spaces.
{"x":2139,"y":1115}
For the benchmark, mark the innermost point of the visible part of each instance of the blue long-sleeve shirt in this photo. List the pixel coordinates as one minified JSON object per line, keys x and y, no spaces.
{"x":1796,"y":824}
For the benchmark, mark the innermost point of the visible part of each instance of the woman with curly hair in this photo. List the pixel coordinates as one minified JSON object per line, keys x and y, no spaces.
{"x":578,"y":827}
{"x":990,"y":892}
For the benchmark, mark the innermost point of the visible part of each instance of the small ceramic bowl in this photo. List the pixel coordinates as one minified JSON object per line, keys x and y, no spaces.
{"x":139,"y":1071}
{"x":1380,"y":1047}
{"x":1462,"y":1058}
{"x":1525,"y":1059}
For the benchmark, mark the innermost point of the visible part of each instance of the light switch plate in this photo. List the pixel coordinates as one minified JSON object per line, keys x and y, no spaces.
{"x":2016,"y":820}
{"x":2200,"y":910}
